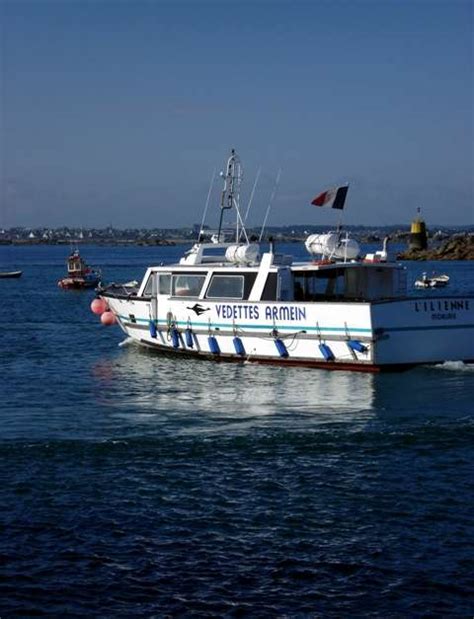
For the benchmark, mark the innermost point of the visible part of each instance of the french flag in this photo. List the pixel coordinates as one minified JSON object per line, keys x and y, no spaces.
{"x":334,"y":197}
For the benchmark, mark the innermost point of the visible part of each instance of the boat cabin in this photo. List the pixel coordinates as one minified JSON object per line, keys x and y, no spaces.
{"x":76,"y":267}
{"x":273,"y":277}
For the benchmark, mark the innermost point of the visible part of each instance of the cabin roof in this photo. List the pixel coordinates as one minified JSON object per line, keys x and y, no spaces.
{"x":356,"y":264}
{"x":296,"y":266}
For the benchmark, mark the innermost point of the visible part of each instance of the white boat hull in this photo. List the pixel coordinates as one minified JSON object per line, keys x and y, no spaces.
{"x":389,"y":333}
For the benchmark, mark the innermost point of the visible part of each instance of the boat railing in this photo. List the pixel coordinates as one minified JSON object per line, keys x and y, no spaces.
{"x":120,"y":290}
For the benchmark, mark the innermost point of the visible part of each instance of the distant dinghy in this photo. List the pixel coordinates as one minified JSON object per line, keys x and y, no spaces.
{"x":10,"y":274}
{"x":435,"y":281}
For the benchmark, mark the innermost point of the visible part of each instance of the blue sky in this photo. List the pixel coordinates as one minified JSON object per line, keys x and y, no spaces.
{"x":117,"y":112}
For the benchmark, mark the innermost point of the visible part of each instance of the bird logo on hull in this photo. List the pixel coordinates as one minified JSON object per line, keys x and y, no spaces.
{"x":198,"y":309}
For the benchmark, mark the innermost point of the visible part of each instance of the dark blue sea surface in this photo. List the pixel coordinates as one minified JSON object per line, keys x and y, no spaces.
{"x":135,"y":485}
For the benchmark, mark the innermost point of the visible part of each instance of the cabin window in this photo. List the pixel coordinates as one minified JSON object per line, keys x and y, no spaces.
{"x":226,"y":287}
{"x":249,"y":281}
{"x":370,"y":283}
{"x":149,"y":286}
{"x":186,"y":285}
{"x":317,"y":285}
{"x":270,"y":290}
{"x":164,"y":283}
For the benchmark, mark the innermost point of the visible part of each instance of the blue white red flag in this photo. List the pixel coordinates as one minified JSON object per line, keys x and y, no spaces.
{"x":334,"y":197}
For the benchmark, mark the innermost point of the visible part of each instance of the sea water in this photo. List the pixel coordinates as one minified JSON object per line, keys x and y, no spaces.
{"x":136,"y":485}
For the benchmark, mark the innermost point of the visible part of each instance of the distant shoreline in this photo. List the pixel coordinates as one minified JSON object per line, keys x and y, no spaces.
{"x":67,"y":235}
{"x":441,"y":246}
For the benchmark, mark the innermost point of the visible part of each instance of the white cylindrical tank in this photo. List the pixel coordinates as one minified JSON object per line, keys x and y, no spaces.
{"x":230,"y":253}
{"x":321,"y":244}
{"x":333,"y":246}
{"x":248,"y":253}
{"x":242,"y":254}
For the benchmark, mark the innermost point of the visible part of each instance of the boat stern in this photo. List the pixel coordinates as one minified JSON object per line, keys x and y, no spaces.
{"x":421,"y":330}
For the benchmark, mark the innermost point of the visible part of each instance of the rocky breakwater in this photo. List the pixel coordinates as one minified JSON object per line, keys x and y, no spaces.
{"x":455,"y":248}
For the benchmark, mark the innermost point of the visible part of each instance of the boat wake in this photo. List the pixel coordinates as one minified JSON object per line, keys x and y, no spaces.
{"x":128,"y":341}
{"x":455,"y":366}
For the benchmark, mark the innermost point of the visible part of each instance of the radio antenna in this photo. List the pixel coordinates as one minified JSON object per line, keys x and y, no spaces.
{"x":207,"y":204}
{"x":272,"y":197}
{"x":252,"y":194}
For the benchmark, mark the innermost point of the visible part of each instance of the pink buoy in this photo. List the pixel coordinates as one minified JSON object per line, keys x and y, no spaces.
{"x":108,"y":318}
{"x":98,"y":306}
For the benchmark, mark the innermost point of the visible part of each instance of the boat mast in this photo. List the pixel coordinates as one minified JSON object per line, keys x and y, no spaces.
{"x":231,"y":195}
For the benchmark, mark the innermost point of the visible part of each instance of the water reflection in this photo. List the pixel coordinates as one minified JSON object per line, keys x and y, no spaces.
{"x":140,"y":383}
{"x":188,"y":396}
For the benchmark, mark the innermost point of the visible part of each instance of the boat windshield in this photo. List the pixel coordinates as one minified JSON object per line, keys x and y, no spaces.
{"x":187,"y":284}
{"x":226,"y":287}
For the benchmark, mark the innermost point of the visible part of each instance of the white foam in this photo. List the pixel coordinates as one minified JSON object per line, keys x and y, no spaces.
{"x":126,"y":342}
{"x":455,"y":366}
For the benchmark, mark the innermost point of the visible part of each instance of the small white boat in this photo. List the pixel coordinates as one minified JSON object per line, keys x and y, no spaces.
{"x":435,"y":281}
{"x":230,"y":299}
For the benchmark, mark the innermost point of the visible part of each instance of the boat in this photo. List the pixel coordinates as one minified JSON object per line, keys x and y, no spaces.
{"x":79,"y":274}
{"x":231,"y":299}
{"x":10,"y":274}
{"x":435,"y":281}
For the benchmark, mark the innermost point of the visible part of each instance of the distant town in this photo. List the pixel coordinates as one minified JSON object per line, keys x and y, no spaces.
{"x":171,"y":236}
